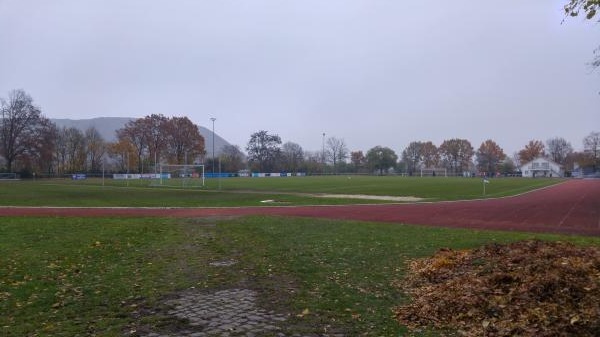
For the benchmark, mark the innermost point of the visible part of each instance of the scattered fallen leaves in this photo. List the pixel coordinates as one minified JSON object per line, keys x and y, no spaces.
{"x":303,"y":313}
{"x":531,"y":288}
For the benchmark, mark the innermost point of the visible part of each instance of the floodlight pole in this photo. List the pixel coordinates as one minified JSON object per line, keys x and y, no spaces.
{"x":323,"y":153}
{"x":127,"y":176}
{"x":184,"y":171}
{"x":213,"y":146}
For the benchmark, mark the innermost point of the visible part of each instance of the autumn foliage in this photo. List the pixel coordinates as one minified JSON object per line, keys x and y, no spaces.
{"x":532,"y":150}
{"x":489,"y":155}
{"x":528,"y":288}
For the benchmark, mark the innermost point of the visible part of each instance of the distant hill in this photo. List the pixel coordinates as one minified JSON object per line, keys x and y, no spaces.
{"x":107,"y":127}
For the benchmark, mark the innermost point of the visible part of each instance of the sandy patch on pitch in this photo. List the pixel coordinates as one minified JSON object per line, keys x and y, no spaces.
{"x":371,"y":197}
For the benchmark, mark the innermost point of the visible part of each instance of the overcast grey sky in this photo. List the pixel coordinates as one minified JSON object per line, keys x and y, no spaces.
{"x":373,"y":72}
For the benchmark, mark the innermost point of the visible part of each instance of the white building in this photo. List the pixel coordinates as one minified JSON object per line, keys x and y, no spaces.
{"x":541,"y":167}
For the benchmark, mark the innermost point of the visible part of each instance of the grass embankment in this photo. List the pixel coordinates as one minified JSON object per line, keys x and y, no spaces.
{"x":251,"y":191}
{"x":78,"y":277}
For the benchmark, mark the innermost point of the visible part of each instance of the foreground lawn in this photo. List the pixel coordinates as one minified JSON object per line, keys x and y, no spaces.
{"x":251,"y":191}
{"x":80,"y":277}
{"x":72,"y":277}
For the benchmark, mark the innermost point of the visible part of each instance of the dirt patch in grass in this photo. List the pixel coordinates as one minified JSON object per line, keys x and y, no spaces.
{"x":531,"y":288}
{"x":370,"y":197}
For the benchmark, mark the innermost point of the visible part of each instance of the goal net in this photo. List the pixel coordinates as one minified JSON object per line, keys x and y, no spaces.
{"x":434,"y":172}
{"x":181,"y":176}
{"x":8,"y":176}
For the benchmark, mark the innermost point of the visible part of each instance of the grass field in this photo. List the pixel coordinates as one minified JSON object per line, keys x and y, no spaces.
{"x":83,"y":277}
{"x":251,"y":191}
{"x":110,"y":276}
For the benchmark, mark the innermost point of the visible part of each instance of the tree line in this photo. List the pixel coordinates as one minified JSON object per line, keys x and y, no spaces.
{"x":457,"y":156}
{"x":29,"y":143}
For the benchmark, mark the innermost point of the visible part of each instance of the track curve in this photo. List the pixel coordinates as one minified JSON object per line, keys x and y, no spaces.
{"x":572,"y":207}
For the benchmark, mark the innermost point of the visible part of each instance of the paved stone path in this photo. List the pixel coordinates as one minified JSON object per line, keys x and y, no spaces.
{"x":225,"y":313}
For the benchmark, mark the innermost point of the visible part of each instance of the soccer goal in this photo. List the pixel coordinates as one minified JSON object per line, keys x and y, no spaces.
{"x":434,"y":172}
{"x":187,"y":176}
{"x":9,"y":176}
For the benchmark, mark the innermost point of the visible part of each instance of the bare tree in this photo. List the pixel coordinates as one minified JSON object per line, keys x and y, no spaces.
{"x":232,"y":158}
{"x":155,"y":130}
{"x":133,"y":133}
{"x":74,"y":150}
{"x":591,"y":147}
{"x":47,"y":147}
{"x":457,"y":154}
{"x":313,"y":161}
{"x":293,"y":155}
{"x":337,"y":151}
{"x":420,"y":155}
{"x":516,"y":159}
{"x":413,"y":156}
{"x":21,"y":126}
{"x":358,"y":160}
{"x":559,"y":149}
{"x":95,"y":149}
{"x":430,"y":154}
{"x":60,"y":151}
{"x":77,"y":151}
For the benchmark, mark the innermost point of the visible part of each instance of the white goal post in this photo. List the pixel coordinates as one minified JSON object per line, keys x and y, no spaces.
{"x":433,"y":172}
{"x":191,"y":175}
{"x":8,"y":176}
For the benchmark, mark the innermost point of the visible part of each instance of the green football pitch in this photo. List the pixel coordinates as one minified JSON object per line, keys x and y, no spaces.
{"x":222,"y":192}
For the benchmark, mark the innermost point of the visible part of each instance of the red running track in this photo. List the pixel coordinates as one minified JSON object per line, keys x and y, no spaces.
{"x":572,"y":207}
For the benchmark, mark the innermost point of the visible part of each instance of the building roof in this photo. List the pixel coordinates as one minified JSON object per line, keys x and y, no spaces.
{"x":543,"y":158}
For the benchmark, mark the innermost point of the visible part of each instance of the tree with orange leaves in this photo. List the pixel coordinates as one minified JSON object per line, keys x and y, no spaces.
{"x":534,"y":149}
{"x":489,"y":155}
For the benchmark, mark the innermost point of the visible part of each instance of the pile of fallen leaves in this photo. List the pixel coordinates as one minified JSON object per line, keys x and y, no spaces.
{"x":530,"y":288}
